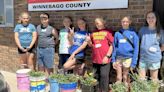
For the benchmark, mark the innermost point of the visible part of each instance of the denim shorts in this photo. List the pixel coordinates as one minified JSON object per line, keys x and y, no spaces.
{"x":149,"y":65}
{"x":45,"y":57}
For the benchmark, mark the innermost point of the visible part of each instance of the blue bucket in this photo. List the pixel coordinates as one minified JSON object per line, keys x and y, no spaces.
{"x":54,"y":85}
{"x":68,"y":87}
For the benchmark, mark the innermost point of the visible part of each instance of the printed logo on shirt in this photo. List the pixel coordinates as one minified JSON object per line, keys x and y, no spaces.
{"x":99,"y":35}
{"x":43,"y":30}
{"x":25,"y":30}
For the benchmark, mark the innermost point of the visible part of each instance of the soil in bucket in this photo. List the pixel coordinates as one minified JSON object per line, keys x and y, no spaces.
{"x":23,"y":83}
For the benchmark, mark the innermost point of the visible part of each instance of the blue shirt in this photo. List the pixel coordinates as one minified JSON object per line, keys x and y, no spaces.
{"x":78,"y":39}
{"x":25,"y":34}
{"x":123,"y":48}
{"x":150,"y":45}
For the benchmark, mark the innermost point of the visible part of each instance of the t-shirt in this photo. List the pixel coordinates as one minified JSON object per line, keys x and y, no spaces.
{"x":64,"y":42}
{"x":45,"y":36}
{"x":78,"y":39}
{"x":25,"y":34}
{"x":150,"y":44}
{"x":101,"y":40}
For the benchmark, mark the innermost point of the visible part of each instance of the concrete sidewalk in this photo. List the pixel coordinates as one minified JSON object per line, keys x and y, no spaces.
{"x":12,"y":81}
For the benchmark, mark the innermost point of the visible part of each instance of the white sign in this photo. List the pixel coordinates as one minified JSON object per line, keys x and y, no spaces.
{"x":56,"y":5}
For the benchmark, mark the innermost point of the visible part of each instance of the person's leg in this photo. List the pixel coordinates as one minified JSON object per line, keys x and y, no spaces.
{"x":61,"y":60}
{"x":125,"y":75}
{"x":70,"y":64}
{"x":30,"y":62}
{"x":49,"y":59}
{"x":126,"y":66}
{"x":154,"y":74}
{"x":154,"y":70}
{"x":119,"y":71}
{"x":40,"y":60}
{"x":23,"y":60}
{"x":96,"y":69}
{"x":104,"y":77}
{"x":142,"y":69}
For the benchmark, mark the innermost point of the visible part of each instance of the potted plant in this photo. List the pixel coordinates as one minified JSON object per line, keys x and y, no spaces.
{"x":139,"y":85}
{"x":88,"y":82}
{"x":119,"y":87}
{"x":53,"y":80}
{"x":37,"y":81}
{"x":68,"y":82}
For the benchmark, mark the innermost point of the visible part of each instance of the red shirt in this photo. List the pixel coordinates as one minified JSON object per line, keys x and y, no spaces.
{"x":101,"y":41}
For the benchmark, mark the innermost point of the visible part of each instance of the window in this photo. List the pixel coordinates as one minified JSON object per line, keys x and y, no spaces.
{"x":6,"y":13}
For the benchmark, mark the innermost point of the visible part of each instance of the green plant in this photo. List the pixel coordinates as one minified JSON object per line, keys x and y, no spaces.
{"x":88,"y":80}
{"x":56,"y":76}
{"x":139,"y":85}
{"x":119,"y":87}
{"x":68,"y":78}
{"x":36,"y":74}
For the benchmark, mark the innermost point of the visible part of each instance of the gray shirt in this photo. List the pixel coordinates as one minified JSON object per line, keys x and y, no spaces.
{"x":45,"y":36}
{"x":150,"y":44}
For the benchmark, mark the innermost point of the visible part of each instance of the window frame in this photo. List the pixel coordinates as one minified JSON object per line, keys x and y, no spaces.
{"x":11,"y":24}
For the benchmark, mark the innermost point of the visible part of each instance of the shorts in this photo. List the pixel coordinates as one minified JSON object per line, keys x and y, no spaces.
{"x":125,"y":62}
{"x":149,"y":65}
{"x":45,"y":57}
{"x":32,"y":50}
{"x":79,"y":60}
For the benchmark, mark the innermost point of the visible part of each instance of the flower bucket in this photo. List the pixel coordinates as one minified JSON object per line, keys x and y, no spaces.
{"x":37,"y":84}
{"x":23,"y":82}
{"x":68,"y":87}
{"x":54,"y":85}
{"x":87,"y":88}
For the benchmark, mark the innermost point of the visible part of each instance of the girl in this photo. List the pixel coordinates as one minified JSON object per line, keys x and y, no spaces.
{"x":78,"y":41}
{"x":152,"y":43}
{"x":46,"y":44}
{"x":64,"y":42}
{"x":25,"y":37}
{"x":125,"y":53}
{"x":101,"y":42}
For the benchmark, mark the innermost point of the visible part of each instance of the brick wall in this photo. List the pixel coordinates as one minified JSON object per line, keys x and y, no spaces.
{"x":8,"y":51}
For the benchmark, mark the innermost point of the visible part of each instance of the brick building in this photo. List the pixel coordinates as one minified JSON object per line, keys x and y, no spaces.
{"x":8,"y":49}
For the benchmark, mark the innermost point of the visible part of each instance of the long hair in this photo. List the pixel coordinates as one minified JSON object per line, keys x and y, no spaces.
{"x":158,"y":25}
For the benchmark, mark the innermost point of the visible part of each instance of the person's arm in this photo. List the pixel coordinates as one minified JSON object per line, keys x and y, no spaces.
{"x":34,"y":38}
{"x":162,"y":47}
{"x":136,"y":50}
{"x":55,"y":34}
{"x":70,"y":36}
{"x":16,"y":36}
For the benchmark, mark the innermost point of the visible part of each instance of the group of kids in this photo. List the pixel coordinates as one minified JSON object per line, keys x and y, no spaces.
{"x":121,"y":49}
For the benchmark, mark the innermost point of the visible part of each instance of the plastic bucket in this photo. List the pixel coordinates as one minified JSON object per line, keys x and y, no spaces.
{"x":23,"y":82}
{"x":38,"y":84}
{"x":68,"y":87}
{"x":54,"y":85}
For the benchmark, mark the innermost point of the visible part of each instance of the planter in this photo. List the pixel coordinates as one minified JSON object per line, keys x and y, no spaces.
{"x":23,"y":83}
{"x":68,"y":87}
{"x":86,"y":88}
{"x":37,"y":84}
{"x":54,"y":85}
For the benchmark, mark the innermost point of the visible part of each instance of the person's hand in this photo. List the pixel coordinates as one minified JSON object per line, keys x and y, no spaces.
{"x":72,"y":56}
{"x":131,"y":70}
{"x":88,"y":38}
{"x":22,"y":49}
{"x":71,"y":30}
{"x":115,"y":65}
{"x":28,"y":48}
{"x":105,"y":60}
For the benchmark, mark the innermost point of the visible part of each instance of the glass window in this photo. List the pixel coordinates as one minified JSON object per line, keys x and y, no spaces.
{"x":6,"y":13}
